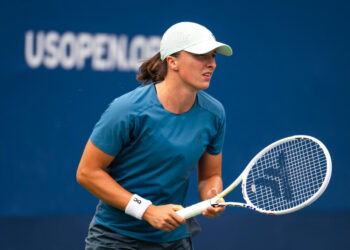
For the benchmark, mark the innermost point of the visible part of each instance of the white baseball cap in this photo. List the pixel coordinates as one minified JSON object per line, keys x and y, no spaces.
{"x":190,"y":37}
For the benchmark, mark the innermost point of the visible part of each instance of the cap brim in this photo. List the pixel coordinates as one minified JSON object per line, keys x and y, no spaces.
{"x":205,"y":47}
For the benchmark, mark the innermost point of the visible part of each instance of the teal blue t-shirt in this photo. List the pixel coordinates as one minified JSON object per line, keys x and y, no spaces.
{"x":155,"y":152}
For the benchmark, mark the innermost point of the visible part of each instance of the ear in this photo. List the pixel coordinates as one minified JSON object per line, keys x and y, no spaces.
{"x":172,"y":63}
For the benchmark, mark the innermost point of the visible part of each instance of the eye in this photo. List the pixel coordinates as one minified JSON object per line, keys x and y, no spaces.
{"x":200,"y":55}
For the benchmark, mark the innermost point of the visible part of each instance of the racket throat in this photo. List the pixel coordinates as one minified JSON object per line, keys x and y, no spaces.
{"x":233,"y":204}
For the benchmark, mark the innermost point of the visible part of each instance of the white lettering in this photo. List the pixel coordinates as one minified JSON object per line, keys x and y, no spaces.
{"x":105,"y":52}
{"x":118,"y":53}
{"x":137,"y":51}
{"x":34,"y":60}
{"x":67,"y":50}
{"x":99,"y":55}
{"x":85,"y":48}
{"x":51,"y":59}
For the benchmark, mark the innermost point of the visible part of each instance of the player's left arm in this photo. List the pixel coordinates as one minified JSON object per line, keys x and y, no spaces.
{"x":209,"y":181}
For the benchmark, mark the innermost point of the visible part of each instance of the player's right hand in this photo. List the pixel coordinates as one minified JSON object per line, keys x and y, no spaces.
{"x":164,"y":217}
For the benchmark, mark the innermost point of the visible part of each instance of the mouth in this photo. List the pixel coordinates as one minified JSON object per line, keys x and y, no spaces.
{"x":207,"y":75}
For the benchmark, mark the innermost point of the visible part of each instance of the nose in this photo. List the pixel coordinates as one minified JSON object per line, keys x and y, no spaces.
{"x":211,"y":62}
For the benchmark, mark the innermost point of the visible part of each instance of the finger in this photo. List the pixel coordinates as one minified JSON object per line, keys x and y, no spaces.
{"x":177,"y":207}
{"x":167,"y":228}
{"x":170,"y":218}
{"x":212,"y":212}
{"x":172,"y":221}
{"x":166,"y":225}
{"x":208,"y":214}
{"x":179,"y":219}
{"x":220,"y":200}
{"x":217,"y":209}
{"x":171,"y":227}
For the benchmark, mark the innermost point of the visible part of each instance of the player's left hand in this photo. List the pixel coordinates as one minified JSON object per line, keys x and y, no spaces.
{"x":212,"y":212}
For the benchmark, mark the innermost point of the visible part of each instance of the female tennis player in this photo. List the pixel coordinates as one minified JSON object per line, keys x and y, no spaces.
{"x":142,"y":150}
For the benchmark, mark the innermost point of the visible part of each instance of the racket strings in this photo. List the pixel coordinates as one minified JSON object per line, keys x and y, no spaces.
{"x":287,"y":175}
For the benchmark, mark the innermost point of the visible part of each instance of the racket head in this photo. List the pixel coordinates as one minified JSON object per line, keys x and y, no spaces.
{"x":287,"y":175}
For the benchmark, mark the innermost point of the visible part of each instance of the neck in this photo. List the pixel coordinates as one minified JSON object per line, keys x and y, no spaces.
{"x":174,"y":97}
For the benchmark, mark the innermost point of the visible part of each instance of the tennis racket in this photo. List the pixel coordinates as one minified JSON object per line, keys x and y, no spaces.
{"x":284,"y":177}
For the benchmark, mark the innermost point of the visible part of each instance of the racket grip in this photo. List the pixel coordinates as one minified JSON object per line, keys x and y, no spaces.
{"x":194,"y":210}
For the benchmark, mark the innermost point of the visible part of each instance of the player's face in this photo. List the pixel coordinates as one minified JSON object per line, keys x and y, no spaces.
{"x":196,"y":70}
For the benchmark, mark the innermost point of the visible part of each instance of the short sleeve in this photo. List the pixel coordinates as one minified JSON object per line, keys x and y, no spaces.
{"x":112,"y":132}
{"x":217,"y":142}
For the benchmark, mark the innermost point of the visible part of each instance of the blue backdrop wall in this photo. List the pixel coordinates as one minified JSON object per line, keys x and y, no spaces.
{"x":62,"y":63}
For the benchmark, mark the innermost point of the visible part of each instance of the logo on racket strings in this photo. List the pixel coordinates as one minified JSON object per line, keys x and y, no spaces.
{"x":281,"y":187}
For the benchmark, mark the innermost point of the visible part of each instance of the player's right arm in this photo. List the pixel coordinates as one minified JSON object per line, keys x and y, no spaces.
{"x":91,"y":175}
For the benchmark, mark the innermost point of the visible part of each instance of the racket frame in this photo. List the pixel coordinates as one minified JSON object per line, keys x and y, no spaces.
{"x":198,"y":208}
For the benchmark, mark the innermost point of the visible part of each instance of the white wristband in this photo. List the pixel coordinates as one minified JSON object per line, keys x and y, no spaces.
{"x":137,"y":206}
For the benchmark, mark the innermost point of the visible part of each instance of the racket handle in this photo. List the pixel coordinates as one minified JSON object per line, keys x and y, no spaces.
{"x":194,"y":210}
